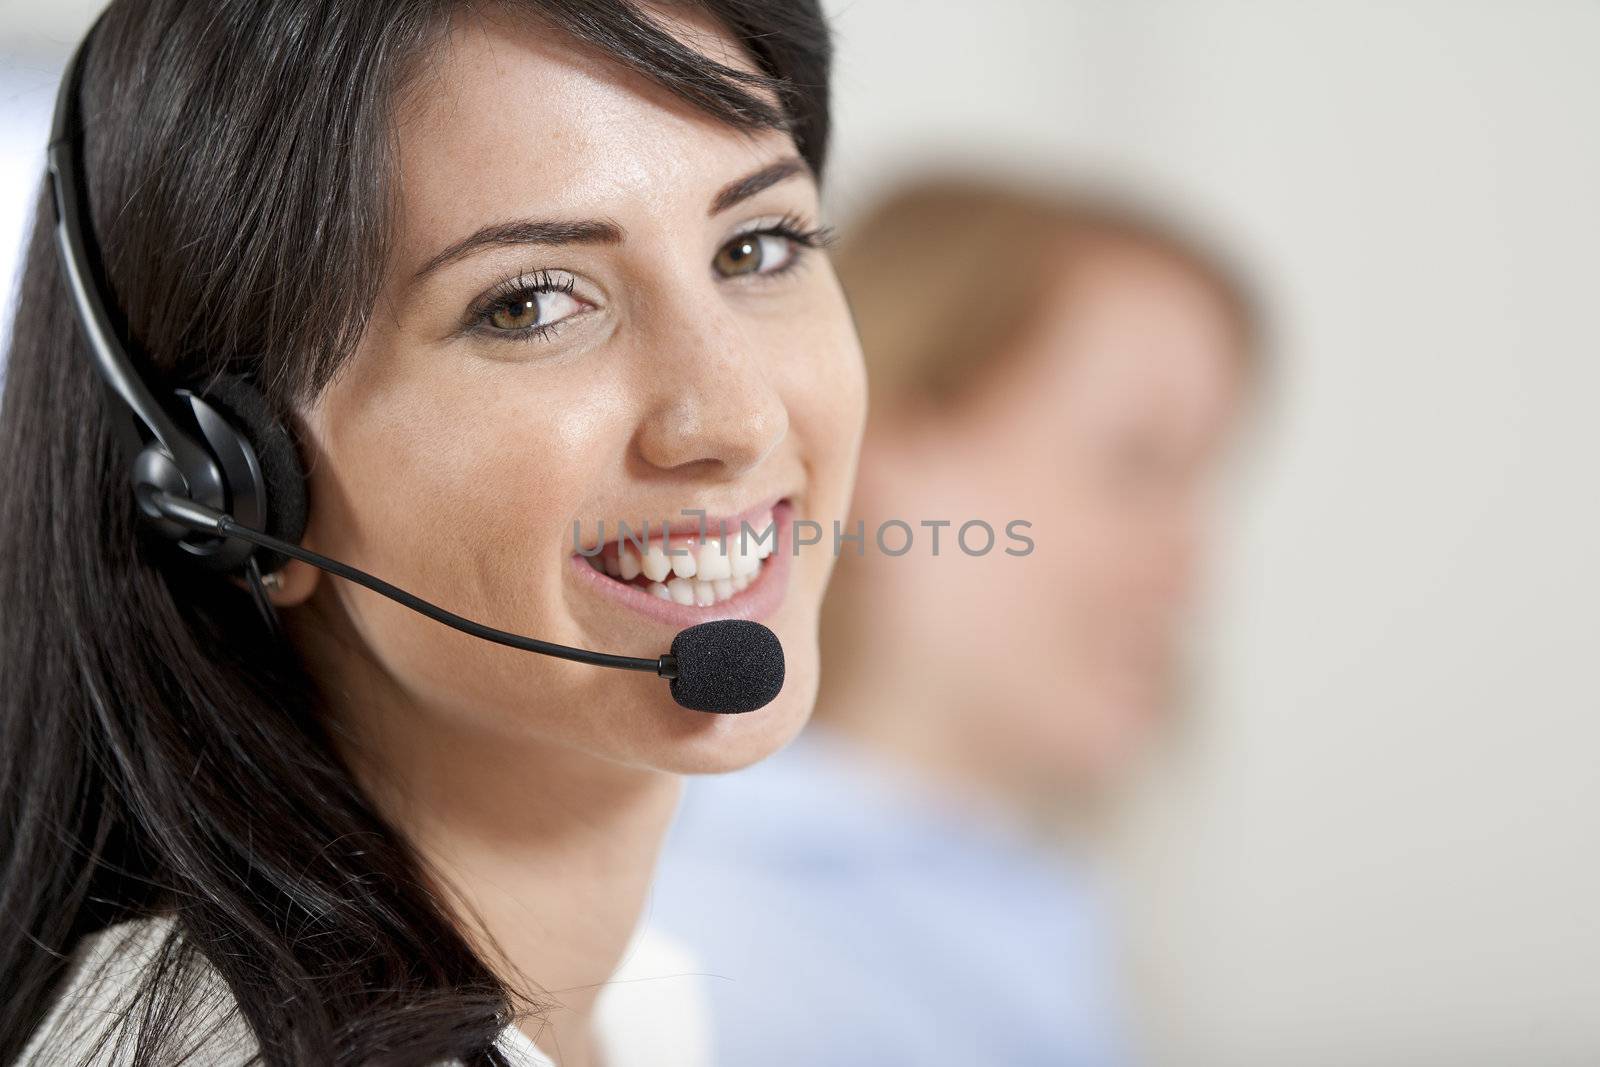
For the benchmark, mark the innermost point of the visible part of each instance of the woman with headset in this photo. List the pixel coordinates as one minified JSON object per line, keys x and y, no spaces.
{"x":441,"y":293}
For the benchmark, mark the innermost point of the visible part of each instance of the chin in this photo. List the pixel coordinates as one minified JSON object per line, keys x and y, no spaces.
{"x":708,"y":743}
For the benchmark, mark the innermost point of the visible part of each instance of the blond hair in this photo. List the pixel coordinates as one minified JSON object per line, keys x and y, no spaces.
{"x":945,"y":274}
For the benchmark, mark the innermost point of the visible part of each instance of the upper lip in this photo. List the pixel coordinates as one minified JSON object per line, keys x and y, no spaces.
{"x":679,"y":524}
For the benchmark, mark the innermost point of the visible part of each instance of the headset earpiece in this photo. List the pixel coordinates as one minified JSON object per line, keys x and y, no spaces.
{"x":266,"y":486}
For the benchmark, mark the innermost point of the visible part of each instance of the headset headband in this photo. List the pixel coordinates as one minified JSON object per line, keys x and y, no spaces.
{"x":174,"y":461}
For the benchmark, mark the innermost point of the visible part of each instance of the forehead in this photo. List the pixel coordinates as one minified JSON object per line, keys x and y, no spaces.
{"x":510,"y":116}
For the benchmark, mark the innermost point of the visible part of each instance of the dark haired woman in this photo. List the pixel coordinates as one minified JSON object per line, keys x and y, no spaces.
{"x":509,"y":271}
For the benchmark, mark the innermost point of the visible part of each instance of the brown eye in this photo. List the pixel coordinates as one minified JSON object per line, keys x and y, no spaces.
{"x":756,"y":253}
{"x":530,"y":310}
{"x":515,"y":315}
{"x":742,"y":255}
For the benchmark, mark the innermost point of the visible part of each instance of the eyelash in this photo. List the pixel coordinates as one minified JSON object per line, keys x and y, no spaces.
{"x":514,"y":290}
{"x":797,"y":230}
{"x":527,"y":286}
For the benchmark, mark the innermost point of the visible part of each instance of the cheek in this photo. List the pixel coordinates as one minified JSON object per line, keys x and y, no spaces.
{"x":447,"y":488}
{"x":823,"y":379}
{"x":820,"y":374}
{"x":458,"y":476}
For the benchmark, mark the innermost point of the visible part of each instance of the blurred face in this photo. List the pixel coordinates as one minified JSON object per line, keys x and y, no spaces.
{"x":600,"y":307}
{"x":1101,"y":433}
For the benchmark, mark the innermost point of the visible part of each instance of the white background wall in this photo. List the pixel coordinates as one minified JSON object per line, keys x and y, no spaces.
{"x":1379,"y":841}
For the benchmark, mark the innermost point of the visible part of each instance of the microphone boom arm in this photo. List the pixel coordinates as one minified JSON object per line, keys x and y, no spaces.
{"x":208,"y":520}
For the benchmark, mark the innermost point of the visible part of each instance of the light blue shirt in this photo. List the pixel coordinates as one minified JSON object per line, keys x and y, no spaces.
{"x":848,"y":916}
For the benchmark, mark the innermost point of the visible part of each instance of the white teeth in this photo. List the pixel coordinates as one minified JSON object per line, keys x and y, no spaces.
{"x":714,"y":562}
{"x":746,"y":562}
{"x":685,"y":566}
{"x":757,"y":538}
{"x":655,"y":564}
{"x":705,"y":575}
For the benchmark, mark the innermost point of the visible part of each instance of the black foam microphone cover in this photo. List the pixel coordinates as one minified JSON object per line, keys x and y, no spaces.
{"x":727,"y":666}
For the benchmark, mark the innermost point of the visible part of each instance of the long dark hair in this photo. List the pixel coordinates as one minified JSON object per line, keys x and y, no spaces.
{"x":159,"y":753}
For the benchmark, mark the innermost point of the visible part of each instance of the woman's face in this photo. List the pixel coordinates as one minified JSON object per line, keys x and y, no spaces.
{"x":592,"y":313}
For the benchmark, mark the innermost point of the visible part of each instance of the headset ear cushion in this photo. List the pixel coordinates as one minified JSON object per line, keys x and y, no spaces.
{"x":275,"y":450}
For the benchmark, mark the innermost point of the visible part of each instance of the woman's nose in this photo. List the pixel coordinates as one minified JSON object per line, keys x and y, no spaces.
{"x":710,"y":401}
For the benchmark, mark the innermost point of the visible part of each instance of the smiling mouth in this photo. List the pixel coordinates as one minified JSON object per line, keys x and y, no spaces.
{"x":688,"y":570}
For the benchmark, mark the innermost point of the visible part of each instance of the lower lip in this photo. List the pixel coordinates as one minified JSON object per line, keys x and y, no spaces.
{"x":756,"y":601}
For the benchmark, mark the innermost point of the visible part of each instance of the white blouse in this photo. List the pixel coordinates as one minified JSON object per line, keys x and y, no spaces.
{"x":653,"y":1012}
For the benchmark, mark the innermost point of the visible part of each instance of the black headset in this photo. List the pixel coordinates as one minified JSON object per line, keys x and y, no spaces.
{"x":217,"y":445}
{"x":216,"y":474}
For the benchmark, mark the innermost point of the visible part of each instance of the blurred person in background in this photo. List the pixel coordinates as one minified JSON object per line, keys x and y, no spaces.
{"x":890,"y":888}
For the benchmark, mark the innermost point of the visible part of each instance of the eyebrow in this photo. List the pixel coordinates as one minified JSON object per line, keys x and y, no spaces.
{"x":600,"y":231}
{"x":749,"y":186}
{"x":525,"y":232}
